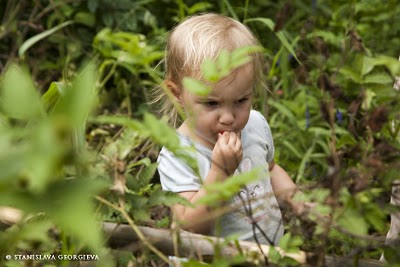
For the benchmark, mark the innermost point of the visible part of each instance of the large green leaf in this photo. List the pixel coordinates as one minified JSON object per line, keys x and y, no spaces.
{"x":79,"y":99}
{"x":19,"y":98}
{"x":392,"y":64}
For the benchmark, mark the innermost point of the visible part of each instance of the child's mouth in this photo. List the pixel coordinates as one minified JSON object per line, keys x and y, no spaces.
{"x":221,"y":132}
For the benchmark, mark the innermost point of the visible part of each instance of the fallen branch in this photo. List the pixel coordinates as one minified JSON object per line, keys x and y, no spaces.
{"x":202,"y":247}
{"x":123,"y":237}
{"x":190,"y":245}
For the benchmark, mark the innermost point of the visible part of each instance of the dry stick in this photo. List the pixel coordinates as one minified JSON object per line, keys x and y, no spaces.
{"x":135,"y":228}
{"x":162,"y":239}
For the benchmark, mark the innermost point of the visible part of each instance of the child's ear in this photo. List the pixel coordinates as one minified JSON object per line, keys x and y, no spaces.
{"x":175,"y":90}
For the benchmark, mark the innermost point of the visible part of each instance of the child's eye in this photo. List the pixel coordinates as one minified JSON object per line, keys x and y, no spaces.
{"x":241,"y":101}
{"x":211,"y":103}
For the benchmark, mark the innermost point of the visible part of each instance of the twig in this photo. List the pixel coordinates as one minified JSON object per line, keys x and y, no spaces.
{"x":135,"y":228}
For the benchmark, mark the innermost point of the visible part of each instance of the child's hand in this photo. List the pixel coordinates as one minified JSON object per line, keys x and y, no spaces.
{"x":227,"y":153}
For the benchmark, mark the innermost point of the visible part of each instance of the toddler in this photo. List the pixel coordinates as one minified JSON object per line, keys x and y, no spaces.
{"x":228,"y":135}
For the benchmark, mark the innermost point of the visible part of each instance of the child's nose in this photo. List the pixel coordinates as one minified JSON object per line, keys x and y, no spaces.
{"x":226,"y":117}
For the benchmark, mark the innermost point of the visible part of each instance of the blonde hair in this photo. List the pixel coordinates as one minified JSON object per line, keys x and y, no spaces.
{"x":198,"y":38}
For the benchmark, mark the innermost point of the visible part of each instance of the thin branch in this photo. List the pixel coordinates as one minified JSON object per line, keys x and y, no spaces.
{"x":134,"y":227}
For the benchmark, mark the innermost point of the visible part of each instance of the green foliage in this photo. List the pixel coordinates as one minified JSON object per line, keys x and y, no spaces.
{"x":39,"y":157}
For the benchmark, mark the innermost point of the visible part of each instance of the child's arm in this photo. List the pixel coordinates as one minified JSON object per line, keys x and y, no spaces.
{"x":284,"y":187}
{"x":198,"y":219}
{"x":226,"y":156}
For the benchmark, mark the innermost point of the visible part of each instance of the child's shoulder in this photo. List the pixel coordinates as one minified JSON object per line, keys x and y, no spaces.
{"x":256,"y":118}
{"x":257,"y":124}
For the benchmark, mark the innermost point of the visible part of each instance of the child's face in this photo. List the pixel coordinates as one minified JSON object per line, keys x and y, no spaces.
{"x":226,"y":108}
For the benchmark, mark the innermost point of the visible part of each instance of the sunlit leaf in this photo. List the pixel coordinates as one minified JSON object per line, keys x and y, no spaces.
{"x":228,"y":188}
{"x":53,"y":94}
{"x":241,"y":56}
{"x":196,"y":87}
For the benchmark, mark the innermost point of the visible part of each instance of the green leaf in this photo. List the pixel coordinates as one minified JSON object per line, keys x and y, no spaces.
{"x":196,"y":87}
{"x":306,"y":158}
{"x":19,"y":98}
{"x":44,"y":156}
{"x":292,"y":148}
{"x":329,"y":37}
{"x":392,"y":64}
{"x":11,"y":165}
{"x":53,"y":95}
{"x":79,"y":98}
{"x":375,"y":216}
{"x":345,"y":140}
{"x":161,"y":132}
{"x":147,"y":174}
{"x":228,"y":188}
{"x":284,"y":111}
{"x":367,"y":101}
{"x":144,"y":161}
{"x":368,"y":65}
{"x":353,"y":221}
{"x":223,"y":62}
{"x":200,"y":6}
{"x":378,"y":78}
{"x":351,"y":74}
{"x":25,"y":234}
{"x":210,"y":71}
{"x":273,"y":255}
{"x":33,"y":40}
{"x":241,"y":55}
{"x":167,"y":198}
{"x":284,"y":242}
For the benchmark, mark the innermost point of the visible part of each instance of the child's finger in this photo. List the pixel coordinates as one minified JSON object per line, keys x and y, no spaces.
{"x":232,"y":138}
{"x":223,"y":138}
